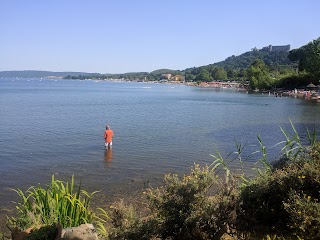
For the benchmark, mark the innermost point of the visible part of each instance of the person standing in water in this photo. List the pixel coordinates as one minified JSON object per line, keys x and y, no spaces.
{"x":108,"y":135}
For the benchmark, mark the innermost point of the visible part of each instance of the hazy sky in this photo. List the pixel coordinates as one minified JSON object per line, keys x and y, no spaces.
{"x":144,"y":35}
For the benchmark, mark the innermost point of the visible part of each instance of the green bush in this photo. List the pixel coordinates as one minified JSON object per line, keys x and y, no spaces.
{"x":126,"y":223}
{"x":218,"y":216}
{"x":178,"y":202}
{"x":123,"y":219}
{"x":267,"y":199}
{"x":304,"y":212}
{"x":197,"y":206}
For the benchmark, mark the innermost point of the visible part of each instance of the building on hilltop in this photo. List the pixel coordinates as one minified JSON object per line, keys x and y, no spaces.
{"x":270,"y":48}
{"x":177,"y":78}
{"x":174,"y":78}
{"x":166,"y":76}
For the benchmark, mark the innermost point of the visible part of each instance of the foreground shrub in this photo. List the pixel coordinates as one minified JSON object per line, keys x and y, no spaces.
{"x":273,"y":199}
{"x":59,"y":202}
{"x":219,"y":214}
{"x":185,"y":208}
{"x":123,"y":219}
{"x":178,"y":202}
{"x":304,"y":213}
{"x":127,"y":223}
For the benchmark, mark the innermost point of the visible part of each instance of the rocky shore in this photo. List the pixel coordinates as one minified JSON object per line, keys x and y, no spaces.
{"x":82,"y":232}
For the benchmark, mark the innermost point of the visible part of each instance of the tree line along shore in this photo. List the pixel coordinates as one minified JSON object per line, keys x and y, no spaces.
{"x":259,"y":70}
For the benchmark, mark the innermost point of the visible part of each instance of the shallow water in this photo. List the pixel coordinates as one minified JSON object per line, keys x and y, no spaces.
{"x":56,"y":127}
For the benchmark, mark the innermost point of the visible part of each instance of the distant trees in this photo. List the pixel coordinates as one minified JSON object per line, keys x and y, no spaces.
{"x":263,"y":69}
{"x":204,"y":76}
{"x":258,"y":75}
{"x":190,"y":77}
{"x":210,"y":74}
{"x":262,"y":74}
{"x":219,"y":73}
{"x":237,"y":68}
{"x":308,"y":58}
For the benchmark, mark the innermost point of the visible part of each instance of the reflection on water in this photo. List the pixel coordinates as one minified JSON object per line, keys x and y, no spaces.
{"x":108,"y":155}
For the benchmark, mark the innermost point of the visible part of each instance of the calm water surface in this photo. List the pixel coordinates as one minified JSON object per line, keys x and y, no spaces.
{"x":56,"y":127}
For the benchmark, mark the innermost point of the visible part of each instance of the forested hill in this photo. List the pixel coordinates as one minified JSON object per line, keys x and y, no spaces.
{"x":274,"y":58}
{"x":42,"y":74}
{"x":232,"y":68}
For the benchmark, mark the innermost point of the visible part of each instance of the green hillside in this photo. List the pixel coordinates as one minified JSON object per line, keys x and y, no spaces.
{"x":165,"y":71}
{"x":276,"y":58}
{"x":262,"y":69}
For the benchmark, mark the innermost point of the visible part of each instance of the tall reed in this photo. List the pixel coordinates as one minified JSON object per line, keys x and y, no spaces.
{"x":292,"y":147}
{"x":58,"y":202}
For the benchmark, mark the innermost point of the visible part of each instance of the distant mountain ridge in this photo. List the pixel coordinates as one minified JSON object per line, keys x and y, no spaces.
{"x":42,"y":74}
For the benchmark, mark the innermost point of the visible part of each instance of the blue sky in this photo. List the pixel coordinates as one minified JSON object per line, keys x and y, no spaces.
{"x":144,"y":35}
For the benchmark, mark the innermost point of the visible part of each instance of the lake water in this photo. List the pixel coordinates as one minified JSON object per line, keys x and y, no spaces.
{"x":56,"y":127}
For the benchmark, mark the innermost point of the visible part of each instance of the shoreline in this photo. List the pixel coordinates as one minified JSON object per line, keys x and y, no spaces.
{"x":305,"y":93}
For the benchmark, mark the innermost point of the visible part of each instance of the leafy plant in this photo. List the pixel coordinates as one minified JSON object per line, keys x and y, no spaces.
{"x":222,"y":163}
{"x":101,"y":219}
{"x":59,"y":202}
{"x":264,"y":158}
{"x":293,"y":146}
